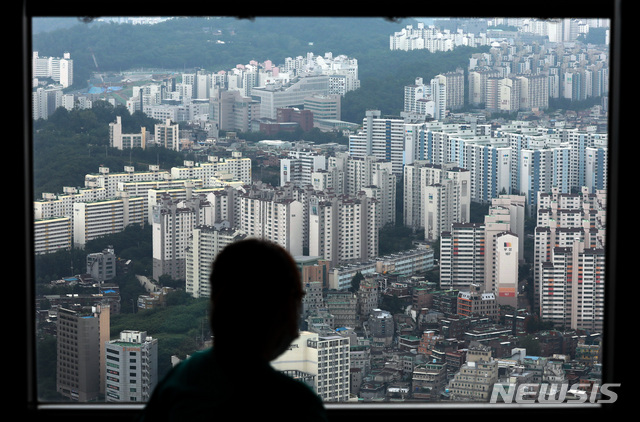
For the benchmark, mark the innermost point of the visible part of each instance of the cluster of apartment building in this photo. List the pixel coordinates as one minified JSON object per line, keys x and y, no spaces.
{"x":510,"y":78}
{"x":523,"y":69}
{"x":521,"y":157}
{"x":77,"y":215}
{"x":49,"y":76}
{"x":249,"y":95}
{"x":446,"y":34}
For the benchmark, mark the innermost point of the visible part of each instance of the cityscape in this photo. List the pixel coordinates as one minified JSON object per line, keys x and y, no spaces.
{"x":451,"y":241}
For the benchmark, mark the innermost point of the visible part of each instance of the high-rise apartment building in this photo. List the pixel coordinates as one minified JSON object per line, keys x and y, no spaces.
{"x":172,"y":226}
{"x":204,"y":244}
{"x":569,"y":261}
{"x":52,"y":234}
{"x":278,"y":220}
{"x":59,"y":69}
{"x":111,"y":182}
{"x":429,"y":100}
{"x":435,"y":196}
{"x":215,"y":169}
{"x":81,"y":334}
{"x":167,"y":134}
{"x":462,"y":256}
{"x":45,"y":101}
{"x":381,"y":137}
{"x":323,"y":360}
{"x":299,"y":165}
{"x":343,"y":229}
{"x":131,"y":367}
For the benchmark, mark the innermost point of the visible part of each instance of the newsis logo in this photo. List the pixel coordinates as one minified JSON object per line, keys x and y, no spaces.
{"x":552,"y":393}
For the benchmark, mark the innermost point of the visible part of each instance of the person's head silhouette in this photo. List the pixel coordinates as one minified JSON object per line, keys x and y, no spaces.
{"x":256,"y":293}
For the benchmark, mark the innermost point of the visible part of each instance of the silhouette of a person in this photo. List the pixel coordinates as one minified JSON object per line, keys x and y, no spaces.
{"x":256,"y":294}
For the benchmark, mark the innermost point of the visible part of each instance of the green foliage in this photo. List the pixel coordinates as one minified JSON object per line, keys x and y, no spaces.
{"x":180,"y":328}
{"x":395,"y":238}
{"x":70,"y":144}
{"x":355,"y":281}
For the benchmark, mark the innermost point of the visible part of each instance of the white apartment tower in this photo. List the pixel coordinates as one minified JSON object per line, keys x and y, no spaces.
{"x":52,"y":234}
{"x":325,"y":358}
{"x":215,"y":169}
{"x":506,"y":248}
{"x":299,"y":165}
{"x":278,"y":220}
{"x":204,"y":245}
{"x":435,"y":196}
{"x":569,"y":261}
{"x":168,"y":135}
{"x":343,"y":229}
{"x":382,"y":137}
{"x":131,"y":367}
{"x":504,"y":233}
{"x":574,"y":298}
{"x":45,"y":101}
{"x":427,"y":100}
{"x":173,"y":223}
{"x":58,"y":69}
{"x":462,"y":256}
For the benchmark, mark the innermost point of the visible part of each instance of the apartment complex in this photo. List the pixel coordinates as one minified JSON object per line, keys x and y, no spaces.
{"x":92,"y":220}
{"x":215,"y":170}
{"x":486,"y":254}
{"x":110,"y":201}
{"x":514,"y":157}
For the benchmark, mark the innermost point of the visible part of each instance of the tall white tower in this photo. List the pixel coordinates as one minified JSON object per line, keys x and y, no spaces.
{"x":325,"y":361}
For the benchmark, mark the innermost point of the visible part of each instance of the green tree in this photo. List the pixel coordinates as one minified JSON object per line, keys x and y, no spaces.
{"x":355,"y":282}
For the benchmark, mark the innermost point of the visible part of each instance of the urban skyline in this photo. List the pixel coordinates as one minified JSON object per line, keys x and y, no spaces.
{"x":436,"y":157}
